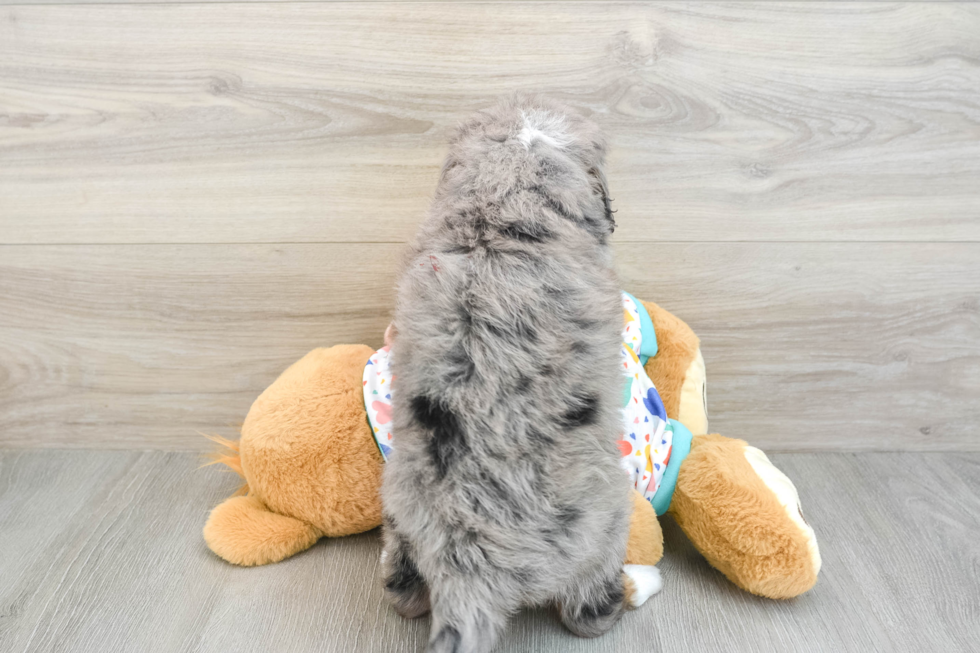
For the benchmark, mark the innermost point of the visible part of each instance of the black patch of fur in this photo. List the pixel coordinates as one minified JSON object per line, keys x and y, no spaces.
{"x":557,"y":534}
{"x":529,"y":259}
{"x":503,"y":498}
{"x":526,"y":331}
{"x":579,"y":347}
{"x":518,"y":333}
{"x":608,"y":601}
{"x":462,"y":366}
{"x":523,"y":384}
{"x":498,"y":491}
{"x":499,"y":456}
{"x":447,"y":442}
{"x":583,"y":412}
{"x":458,"y":249}
{"x":405,"y":577}
{"x":568,"y":515}
{"x":553,"y":204}
{"x":600,"y":185}
{"x":527,"y":232}
{"x":585,"y":324}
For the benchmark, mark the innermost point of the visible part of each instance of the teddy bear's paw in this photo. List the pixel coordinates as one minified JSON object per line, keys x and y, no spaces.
{"x":641,"y":582}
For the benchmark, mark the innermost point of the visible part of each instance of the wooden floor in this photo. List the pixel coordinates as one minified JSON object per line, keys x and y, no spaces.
{"x":194,"y":194}
{"x":101,"y":551}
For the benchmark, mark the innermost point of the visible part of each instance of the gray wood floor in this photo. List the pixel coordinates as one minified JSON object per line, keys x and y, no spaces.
{"x":101,"y":551}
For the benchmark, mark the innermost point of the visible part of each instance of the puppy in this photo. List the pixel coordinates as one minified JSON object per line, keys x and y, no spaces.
{"x":505,"y":487}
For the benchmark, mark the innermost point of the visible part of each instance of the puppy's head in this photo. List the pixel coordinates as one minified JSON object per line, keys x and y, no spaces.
{"x":531,"y":143}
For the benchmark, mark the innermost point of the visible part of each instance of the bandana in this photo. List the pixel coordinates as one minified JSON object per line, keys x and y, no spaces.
{"x":652,"y":446}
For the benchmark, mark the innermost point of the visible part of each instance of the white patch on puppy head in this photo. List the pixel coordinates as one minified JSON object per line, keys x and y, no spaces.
{"x":646,"y":582}
{"x":543,"y":126}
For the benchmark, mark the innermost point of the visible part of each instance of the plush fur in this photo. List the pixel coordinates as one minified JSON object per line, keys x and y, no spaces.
{"x":331,"y":481}
{"x":244,"y":530}
{"x":308,"y":457}
{"x":677,"y":349}
{"x":646,"y":541}
{"x":505,"y":487}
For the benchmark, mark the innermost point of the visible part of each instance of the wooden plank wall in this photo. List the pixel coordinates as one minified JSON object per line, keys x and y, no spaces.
{"x":192,"y":195}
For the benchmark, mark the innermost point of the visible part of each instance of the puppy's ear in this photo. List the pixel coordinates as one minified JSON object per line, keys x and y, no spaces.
{"x":599,"y":187}
{"x":447,"y":166}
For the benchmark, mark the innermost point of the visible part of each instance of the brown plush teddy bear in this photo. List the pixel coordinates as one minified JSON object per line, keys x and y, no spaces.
{"x":313,"y":469}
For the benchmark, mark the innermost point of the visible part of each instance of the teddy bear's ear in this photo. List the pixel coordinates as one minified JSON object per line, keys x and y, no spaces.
{"x":244,"y":532}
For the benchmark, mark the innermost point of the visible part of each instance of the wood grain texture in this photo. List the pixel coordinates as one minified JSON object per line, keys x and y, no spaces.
{"x":103,"y":551}
{"x":828,"y":347}
{"x":326,"y":122}
{"x":834,"y":346}
{"x":127,"y":346}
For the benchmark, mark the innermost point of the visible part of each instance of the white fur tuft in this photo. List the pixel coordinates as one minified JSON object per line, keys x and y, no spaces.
{"x":543,"y":126}
{"x":646,"y":582}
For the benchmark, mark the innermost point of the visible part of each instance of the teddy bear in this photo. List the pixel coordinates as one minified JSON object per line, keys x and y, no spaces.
{"x":313,"y":447}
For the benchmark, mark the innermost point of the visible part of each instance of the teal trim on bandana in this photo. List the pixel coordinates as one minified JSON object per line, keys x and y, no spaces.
{"x":648,"y":346}
{"x":680,"y":447}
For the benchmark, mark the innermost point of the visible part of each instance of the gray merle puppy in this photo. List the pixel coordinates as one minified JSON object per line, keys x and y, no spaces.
{"x":504,"y":488}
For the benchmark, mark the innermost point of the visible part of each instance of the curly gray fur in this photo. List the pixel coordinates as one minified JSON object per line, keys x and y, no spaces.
{"x":505,"y":488}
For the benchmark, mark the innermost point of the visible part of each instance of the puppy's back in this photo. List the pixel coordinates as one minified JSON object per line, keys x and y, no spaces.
{"x":505,"y":488}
